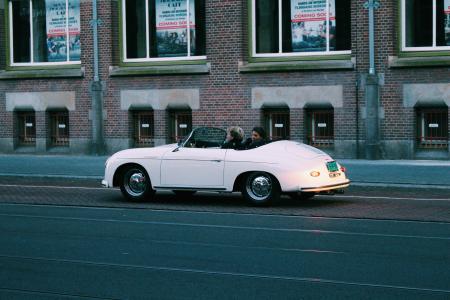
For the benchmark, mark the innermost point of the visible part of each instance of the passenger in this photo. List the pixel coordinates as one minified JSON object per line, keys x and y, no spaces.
{"x":258,"y":138}
{"x":235,"y":135}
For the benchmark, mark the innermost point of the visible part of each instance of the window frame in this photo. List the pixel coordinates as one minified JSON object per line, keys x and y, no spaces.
{"x":430,"y":142}
{"x":344,"y":54}
{"x":268,"y":115}
{"x":137,"y":124}
{"x":313,"y":139}
{"x":22,"y":134}
{"x":10,"y":41}
{"x":174,"y":135}
{"x":148,"y":59}
{"x":402,"y":40}
{"x":57,"y":139}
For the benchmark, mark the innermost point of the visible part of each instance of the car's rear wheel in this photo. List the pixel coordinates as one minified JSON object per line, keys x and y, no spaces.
{"x":260,"y":188}
{"x":181,"y":193}
{"x":135,"y":184}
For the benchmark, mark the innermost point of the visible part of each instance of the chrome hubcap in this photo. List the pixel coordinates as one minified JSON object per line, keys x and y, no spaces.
{"x":136,"y":184}
{"x":260,"y":187}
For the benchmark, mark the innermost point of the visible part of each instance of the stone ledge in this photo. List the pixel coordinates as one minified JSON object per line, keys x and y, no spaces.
{"x":297,"y":97}
{"x":435,"y":154}
{"x":42,"y":73}
{"x":417,"y":62}
{"x":116,"y":71}
{"x":289,"y":66}
{"x":40,"y":101}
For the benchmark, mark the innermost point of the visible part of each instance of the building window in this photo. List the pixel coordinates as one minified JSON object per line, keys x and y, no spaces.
{"x":143,"y":128}
{"x":59,"y":128}
{"x":320,"y":127}
{"x":180,"y":125}
{"x":26,"y":128}
{"x":299,"y":27}
{"x":155,"y":30}
{"x":41,"y":31}
{"x":425,"y":25}
{"x":432,"y":128}
{"x":277,"y":124}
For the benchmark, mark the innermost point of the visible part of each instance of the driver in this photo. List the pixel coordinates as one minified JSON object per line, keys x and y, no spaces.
{"x":258,"y":138}
{"x":235,"y":135}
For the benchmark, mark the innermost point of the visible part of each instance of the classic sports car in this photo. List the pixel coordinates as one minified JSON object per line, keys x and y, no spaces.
{"x":199,"y":164}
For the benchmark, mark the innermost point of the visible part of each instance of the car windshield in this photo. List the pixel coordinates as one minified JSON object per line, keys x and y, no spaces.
{"x":206,"y":137}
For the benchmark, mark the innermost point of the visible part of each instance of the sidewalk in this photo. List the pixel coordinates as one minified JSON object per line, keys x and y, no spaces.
{"x":395,"y":173}
{"x":60,"y":166}
{"x":413,"y":173}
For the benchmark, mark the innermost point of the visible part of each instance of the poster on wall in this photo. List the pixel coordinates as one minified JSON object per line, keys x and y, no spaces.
{"x":447,"y":22}
{"x":171,"y":27}
{"x":56,"y":30}
{"x":308,"y":24}
{"x":74,"y":30}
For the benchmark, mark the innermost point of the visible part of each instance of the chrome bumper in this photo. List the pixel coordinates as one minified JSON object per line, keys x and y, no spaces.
{"x":326,"y":187}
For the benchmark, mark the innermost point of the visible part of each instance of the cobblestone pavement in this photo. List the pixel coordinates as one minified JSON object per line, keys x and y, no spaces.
{"x":357,"y":202}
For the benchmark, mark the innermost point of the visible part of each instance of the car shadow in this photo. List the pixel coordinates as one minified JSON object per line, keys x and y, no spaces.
{"x":316,"y":202}
{"x":201,"y":200}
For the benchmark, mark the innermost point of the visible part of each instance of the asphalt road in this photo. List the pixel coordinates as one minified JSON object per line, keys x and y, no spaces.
{"x":72,"y":240}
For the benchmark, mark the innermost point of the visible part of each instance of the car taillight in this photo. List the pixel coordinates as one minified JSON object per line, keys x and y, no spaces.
{"x":343,"y":169}
{"x":315,"y":173}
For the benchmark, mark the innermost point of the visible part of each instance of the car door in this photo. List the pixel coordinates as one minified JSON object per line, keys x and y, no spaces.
{"x":198,"y":162}
{"x":193,"y":167}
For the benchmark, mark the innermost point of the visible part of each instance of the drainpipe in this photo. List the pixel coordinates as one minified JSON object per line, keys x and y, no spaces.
{"x":98,"y":145}
{"x":372,"y":147}
{"x":357,"y":117}
{"x":372,"y":4}
{"x":94,"y":24}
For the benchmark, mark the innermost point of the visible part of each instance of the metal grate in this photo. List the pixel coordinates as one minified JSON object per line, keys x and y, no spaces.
{"x":277,"y":125}
{"x":143,"y":128}
{"x":181,"y":125}
{"x":321,"y":132}
{"x":27,"y":128}
{"x":432,"y":128}
{"x":59,"y":124}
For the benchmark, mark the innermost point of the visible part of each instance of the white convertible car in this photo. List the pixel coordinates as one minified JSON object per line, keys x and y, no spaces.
{"x":199,"y":164}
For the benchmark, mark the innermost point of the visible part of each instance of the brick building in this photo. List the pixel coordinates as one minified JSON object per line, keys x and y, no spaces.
{"x":297,"y":67}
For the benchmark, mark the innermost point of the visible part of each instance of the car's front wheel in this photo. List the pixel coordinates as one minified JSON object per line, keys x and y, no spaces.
{"x":135,"y":184}
{"x":260,"y":188}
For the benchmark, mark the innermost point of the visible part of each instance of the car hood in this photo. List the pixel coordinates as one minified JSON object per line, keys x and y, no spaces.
{"x":153,"y":152}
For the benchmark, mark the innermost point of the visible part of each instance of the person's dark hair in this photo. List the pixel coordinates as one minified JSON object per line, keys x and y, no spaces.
{"x":260,"y":131}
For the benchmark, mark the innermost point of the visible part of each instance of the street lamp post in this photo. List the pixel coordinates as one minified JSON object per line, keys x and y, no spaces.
{"x":97,"y":145}
{"x":372,"y":148}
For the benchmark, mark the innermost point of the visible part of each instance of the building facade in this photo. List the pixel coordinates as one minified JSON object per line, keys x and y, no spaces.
{"x":299,"y":68}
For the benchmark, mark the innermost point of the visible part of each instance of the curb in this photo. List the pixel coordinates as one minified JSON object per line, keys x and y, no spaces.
{"x":400,"y":185}
{"x":353,"y":183}
{"x":53,"y":176}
